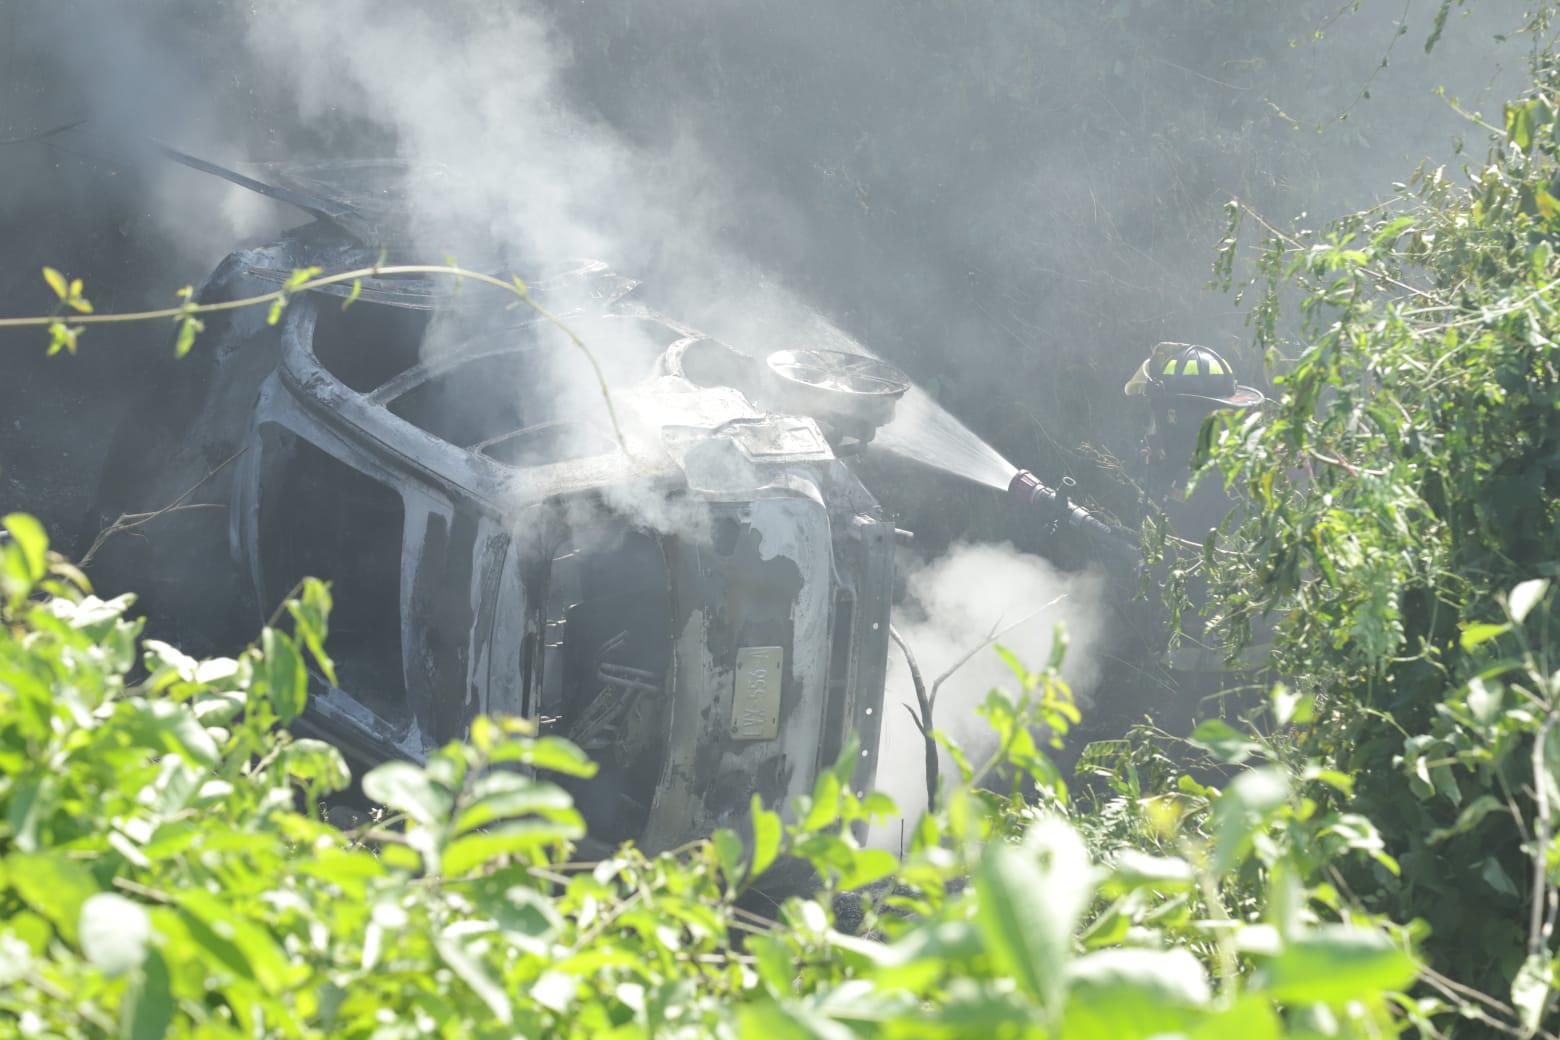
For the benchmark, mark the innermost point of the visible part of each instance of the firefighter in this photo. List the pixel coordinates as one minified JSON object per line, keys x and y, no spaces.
{"x":1185,"y":384}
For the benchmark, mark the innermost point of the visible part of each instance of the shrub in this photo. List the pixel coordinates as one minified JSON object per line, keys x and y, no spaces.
{"x":1400,"y":523}
{"x":165,"y":870}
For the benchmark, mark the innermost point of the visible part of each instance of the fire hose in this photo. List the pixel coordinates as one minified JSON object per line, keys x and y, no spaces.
{"x":1054,"y":508}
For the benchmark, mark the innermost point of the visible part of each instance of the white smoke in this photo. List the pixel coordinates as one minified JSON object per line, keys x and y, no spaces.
{"x":955,"y":604}
{"x":518,"y":178}
{"x":466,"y":88}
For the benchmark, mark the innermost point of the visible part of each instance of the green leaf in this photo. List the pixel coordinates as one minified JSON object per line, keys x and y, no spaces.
{"x":767,"y":833}
{"x":52,"y":885}
{"x":30,"y":540}
{"x":57,"y":283}
{"x":405,"y":788}
{"x":1481,"y":632}
{"x":1133,"y":993}
{"x":114,"y":932}
{"x":15,"y":958}
{"x":1341,"y":782}
{"x":1291,"y":705}
{"x":1221,"y":741}
{"x":348,"y":869}
{"x":1525,"y":597}
{"x":1391,"y":231}
{"x":243,"y":945}
{"x":502,"y":795}
{"x":825,"y":850}
{"x":825,"y":808}
{"x":528,"y":919}
{"x":550,"y":753}
{"x":555,"y":990}
{"x":774,"y":962}
{"x":1334,"y":964}
{"x":311,"y":614}
{"x":300,"y":276}
{"x":788,"y":1020}
{"x":1530,"y":989}
{"x":868,"y":866}
{"x":75,"y":301}
{"x":63,"y":337}
{"x":148,"y":1008}
{"x":1133,"y":869}
{"x":878,"y":805}
{"x":1484,"y":700}
{"x":1494,"y":875}
{"x":512,"y":839}
{"x":973,"y":1009}
{"x":474,"y":973}
{"x":728,"y":853}
{"x":1471,"y":816}
{"x":1519,"y":124}
{"x":315,"y":761}
{"x":282,"y":675}
{"x":1030,"y":897}
{"x":1251,"y":1018}
{"x":1438,"y":25}
{"x":189,"y":327}
{"x":171,"y":725}
{"x":1359,"y":834}
{"x":1245,"y":805}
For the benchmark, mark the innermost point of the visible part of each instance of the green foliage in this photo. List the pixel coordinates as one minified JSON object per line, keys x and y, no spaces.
{"x":166,"y":870}
{"x":1399,"y":526}
{"x":63,"y":336}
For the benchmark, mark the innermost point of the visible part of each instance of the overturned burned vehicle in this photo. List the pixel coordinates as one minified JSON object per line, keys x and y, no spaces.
{"x":694,"y":587}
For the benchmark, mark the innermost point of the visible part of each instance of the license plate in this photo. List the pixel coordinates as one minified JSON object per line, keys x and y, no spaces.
{"x":755,"y":703}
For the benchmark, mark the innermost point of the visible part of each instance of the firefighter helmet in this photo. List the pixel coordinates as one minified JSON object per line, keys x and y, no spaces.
{"x":1187,"y":370}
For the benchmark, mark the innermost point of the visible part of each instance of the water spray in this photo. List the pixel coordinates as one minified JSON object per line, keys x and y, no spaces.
{"x":857,"y":397}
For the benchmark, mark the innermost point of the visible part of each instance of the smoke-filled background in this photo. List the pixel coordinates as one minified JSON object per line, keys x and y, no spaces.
{"x":1011,"y":200}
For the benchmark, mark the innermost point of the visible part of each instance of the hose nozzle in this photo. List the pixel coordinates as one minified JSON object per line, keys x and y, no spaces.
{"x":1055,"y":509}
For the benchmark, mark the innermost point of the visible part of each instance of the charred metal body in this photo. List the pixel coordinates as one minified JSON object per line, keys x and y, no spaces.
{"x":703,"y":606}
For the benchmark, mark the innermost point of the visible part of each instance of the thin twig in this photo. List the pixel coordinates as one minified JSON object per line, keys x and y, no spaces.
{"x":994,"y":635}
{"x":1296,"y":244}
{"x":516,"y":288}
{"x":137,"y":889}
{"x":276,"y":615}
{"x":758,"y":920}
{"x":1455,"y":990}
{"x":104,"y":1024}
{"x":929,"y":742}
{"x":130,"y":521}
{"x":1537,"y":922}
{"x":1194,"y":72}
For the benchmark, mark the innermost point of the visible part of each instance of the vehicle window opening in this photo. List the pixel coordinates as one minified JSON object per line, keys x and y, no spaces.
{"x":606,"y":659}
{"x":321,"y":518}
{"x":479,"y":400}
{"x":367,"y":344}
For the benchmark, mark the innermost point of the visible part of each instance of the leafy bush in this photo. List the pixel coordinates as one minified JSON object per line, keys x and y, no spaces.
{"x":1400,"y":523}
{"x":166,"y":871}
